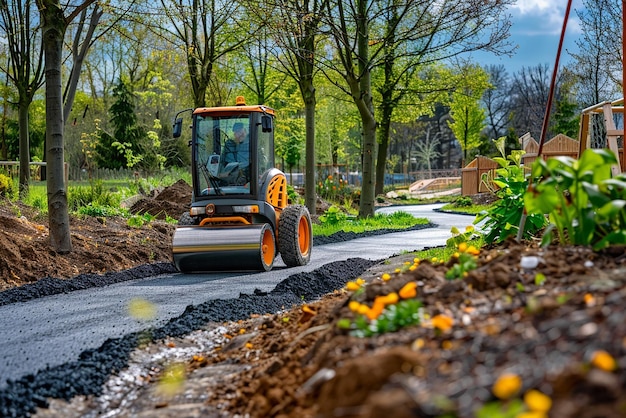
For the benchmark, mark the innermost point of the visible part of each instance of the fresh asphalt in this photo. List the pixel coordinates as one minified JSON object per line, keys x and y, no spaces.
{"x":54,"y":330}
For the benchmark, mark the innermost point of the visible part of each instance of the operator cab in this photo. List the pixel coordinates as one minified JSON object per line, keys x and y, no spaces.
{"x":231,"y":147}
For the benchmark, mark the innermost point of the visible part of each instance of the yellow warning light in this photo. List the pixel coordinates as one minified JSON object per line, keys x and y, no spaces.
{"x":240,"y":101}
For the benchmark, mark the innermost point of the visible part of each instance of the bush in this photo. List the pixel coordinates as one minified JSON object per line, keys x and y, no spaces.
{"x":335,"y":190}
{"x":94,"y":196}
{"x":463,"y":202}
{"x":6,"y":186}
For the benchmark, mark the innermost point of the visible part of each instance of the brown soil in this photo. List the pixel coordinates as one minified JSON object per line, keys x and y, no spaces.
{"x":299,"y":363}
{"x":99,"y":244}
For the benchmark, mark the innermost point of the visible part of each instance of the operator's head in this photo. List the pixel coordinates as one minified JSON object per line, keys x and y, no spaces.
{"x":239,"y":131}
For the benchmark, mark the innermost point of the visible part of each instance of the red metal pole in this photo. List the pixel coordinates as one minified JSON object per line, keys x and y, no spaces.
{"x":555,"y":70}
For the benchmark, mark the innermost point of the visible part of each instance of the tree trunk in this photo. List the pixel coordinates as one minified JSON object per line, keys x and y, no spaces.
{"x":54,"y":26}
{"x":383,"y":145}
{"x":308,"y":94}
{"x":366,"y":205}
{"x":24,"y":148}
{"x":362,"y":95}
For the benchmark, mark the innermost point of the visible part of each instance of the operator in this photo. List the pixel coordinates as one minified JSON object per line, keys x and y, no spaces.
{"x":238,"y":149}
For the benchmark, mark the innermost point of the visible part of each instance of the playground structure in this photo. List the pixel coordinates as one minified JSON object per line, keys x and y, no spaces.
{"x":598,"y":130}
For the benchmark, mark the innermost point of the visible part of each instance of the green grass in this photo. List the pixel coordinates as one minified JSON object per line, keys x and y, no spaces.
{"x":421,"y":201}
{"x":397,"y":220}
{"x":474,"y":209}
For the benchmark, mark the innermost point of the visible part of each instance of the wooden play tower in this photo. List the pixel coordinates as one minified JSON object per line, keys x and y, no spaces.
{"x":598,"y":130}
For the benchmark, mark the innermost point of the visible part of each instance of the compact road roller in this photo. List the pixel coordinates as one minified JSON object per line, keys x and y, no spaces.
{"x":240,"y":217}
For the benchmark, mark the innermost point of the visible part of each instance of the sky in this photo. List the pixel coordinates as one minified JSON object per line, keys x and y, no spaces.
{"x":536,"y":29}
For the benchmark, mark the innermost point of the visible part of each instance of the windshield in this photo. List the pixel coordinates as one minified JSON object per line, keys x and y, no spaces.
{"x":223,"y":155}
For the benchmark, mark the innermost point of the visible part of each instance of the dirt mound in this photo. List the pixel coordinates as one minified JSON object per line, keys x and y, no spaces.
{"x":100,"y":244}
{"x":172,"y":202}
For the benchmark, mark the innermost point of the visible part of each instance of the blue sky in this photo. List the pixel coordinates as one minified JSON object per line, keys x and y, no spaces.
{"x":536,"y":29}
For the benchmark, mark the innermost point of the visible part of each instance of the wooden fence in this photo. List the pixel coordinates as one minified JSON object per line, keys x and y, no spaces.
{"x":12,"y":169}
{"x":471,"y":175}
{"x":559,"y":146}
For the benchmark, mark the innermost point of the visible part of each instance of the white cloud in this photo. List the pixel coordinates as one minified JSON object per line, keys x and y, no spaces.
{"x":535,"y":6}
{"x":536,"y":17}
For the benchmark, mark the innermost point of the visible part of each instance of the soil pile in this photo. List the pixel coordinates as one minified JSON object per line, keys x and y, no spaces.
{"x":171,"y":202}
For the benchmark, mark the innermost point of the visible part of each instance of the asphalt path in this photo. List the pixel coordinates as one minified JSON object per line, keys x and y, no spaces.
{"x":54,"y":330}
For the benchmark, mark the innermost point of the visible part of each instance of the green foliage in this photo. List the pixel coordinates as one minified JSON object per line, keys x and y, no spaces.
{"x":333,"y":216}
{"x":397,"y":220}
{"x":122,"y":149}
{"x":503,"y":218}
{"x":293,"y":196}
{"x":585,"y":205}
{"x":464,"y":263}
{"x":394,"y":317}
{"x":336,"y":190}
{"x":500,"y":409}
{"x":95,"y":195}
{"x":7,"y":188}
{"x":98,"y":211}
{"x":468,"y":117}
{"x":463,"y":202}
{"x":137,"y":221}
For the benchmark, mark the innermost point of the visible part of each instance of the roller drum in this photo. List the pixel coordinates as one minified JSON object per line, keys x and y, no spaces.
{"x":216,"y":248}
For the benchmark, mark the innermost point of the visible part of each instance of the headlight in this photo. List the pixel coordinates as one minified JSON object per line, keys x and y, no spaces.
{"x":246,"y":209}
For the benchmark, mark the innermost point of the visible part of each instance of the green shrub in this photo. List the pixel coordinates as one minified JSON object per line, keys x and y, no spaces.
{"x":463,"y":202}
{"x":293,"y":196}
{"x":6,"y":186}
{"x":333,"y":216}
{"x":584,"y":203}
{"x":95,"y":195}
{"x":336,"y":190}
{"x":503,"y":218}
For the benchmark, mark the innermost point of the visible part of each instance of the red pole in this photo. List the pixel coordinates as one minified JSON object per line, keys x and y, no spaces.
{"x":546,"y":118}
{"x":555,"y":70}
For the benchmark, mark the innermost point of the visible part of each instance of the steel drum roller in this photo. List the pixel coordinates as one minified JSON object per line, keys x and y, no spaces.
{"x":201,"y":248}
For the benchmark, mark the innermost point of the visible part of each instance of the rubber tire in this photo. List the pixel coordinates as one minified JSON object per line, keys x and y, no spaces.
{"x":187,"y":219}
{"x":268,"y":248}
{"x":295,"y":236}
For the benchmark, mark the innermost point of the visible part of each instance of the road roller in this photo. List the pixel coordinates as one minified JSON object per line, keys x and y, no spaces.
{"x":240,"y":217}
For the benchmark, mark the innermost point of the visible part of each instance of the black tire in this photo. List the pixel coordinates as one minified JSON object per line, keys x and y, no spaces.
{"x":295,"y":237}
{"x":187,"y":219}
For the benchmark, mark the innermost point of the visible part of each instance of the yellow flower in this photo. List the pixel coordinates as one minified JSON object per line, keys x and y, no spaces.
{"x":472,"y":250}
{"x":507,"y":386}
{"x":386,"y":277}
{"x":537,"y":401}
{"x":375,"y":311}
{"x":463,"y":247}
{"x":360,"y":281}
{"x":354,"y":306}
{"x":363,"y":309}
{"x":408,"y":291}
{"x":442,"y":322}
{"x":603,"y":360}
{"x":352,"y":286}
{"x":389,"y":299}
{"x":589,"y":300}
{"x":242,"y":331}
{"x":469,"y":228}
